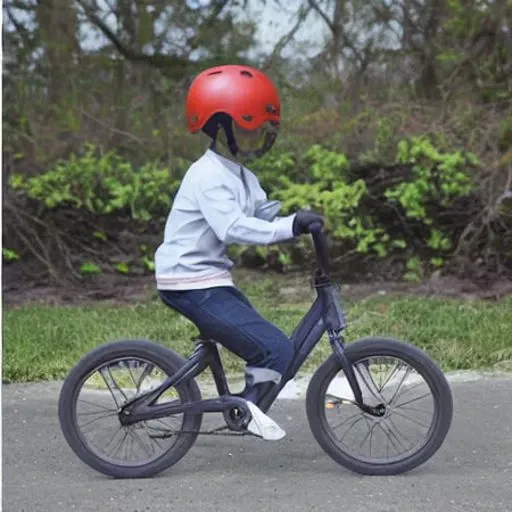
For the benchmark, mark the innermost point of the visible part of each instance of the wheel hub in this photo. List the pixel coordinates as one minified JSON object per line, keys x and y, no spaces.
{"x":379,"y":410}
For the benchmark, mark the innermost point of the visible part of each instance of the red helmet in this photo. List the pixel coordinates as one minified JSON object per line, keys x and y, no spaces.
{"x":247,"y":95}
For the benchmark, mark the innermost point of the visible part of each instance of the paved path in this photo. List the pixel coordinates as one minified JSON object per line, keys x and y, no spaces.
{"x":471,"y":473}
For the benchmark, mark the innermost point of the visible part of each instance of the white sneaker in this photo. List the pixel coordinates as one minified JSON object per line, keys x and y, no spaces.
{"x":264,"y":426}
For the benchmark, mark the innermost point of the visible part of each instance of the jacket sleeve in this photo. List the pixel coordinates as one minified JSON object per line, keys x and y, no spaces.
{"x":220,"y":208}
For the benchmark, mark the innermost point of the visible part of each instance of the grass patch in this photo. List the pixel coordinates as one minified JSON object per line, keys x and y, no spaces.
{"x":41,"y":342}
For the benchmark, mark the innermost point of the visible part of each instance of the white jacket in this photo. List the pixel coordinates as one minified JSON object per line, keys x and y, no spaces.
{"x":214,"y":206}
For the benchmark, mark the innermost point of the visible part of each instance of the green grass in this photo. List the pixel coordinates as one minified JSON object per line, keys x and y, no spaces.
{"x":42,"y":342}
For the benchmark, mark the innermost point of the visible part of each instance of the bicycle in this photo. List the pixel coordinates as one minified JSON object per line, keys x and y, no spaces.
{"x":141,"y":407}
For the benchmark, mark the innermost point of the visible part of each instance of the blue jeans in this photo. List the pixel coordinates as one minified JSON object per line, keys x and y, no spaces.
{"x":225,"y":315}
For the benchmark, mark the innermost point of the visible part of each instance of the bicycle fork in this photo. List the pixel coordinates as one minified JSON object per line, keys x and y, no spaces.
{"x":338,"y":346}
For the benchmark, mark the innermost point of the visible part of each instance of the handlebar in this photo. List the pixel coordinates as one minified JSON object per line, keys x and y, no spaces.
{"x":322,"y":252}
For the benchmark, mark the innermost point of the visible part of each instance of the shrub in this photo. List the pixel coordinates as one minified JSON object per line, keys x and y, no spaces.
{"x":102,"y":184}
{"x":401,"y":210}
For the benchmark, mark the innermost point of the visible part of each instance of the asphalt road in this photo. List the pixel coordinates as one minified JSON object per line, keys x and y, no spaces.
{"x":472,"y":472}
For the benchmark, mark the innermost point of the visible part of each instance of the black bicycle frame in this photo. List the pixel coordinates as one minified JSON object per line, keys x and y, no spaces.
{"x":325,"y":315}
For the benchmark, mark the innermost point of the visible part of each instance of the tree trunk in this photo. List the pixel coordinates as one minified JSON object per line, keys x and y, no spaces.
{"x":58,"y":31}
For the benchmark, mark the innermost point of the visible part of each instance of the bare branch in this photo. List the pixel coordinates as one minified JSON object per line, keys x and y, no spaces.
{"x":156,"y":60}
{"x":22,"y":30}
{"x":314,"y":5}
{"x":218,"y":7}
{"x":111,"y":128}
{"x":284,"y":40}
{"x":20,"y":5}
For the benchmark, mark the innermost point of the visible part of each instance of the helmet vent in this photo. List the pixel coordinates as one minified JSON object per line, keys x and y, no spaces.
{"x":246,"y":73}
{"x":247,"y":117}
{"x":215,"y":73}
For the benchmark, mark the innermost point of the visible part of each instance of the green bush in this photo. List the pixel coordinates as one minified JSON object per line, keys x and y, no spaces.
{"x":325,"y":181}
{"x":328,"y":191}
{"x":439,"y":177}
{"x":425,"y":184}
{"x":102,"y":184}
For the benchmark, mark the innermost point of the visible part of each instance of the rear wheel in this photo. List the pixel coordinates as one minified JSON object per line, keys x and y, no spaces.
{"x":418,"y":408}
{"x":100,"y":384}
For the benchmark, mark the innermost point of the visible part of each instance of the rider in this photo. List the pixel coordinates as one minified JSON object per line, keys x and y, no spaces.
{"x":221,"y":202}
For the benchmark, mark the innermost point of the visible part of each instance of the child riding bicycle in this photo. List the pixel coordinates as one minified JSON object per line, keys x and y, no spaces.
{"x":221,"y":202}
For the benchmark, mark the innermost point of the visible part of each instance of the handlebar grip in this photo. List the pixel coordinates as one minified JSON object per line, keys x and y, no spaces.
{"x":316,"y":227}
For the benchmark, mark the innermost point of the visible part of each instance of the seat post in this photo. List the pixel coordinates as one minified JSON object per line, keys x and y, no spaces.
{"x":211,"y":350}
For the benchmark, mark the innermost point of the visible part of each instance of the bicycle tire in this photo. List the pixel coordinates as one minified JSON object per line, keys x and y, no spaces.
{"x":166,"y":359}
{"x":362,"y":349}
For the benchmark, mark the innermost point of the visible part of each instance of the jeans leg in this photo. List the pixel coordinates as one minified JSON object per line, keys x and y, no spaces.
{"x":225,"y":315}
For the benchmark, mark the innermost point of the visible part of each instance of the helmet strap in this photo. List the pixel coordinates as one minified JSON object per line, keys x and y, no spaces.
{"x":212,"y":128}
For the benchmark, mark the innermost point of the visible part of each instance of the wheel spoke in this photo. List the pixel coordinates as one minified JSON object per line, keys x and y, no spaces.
{"x":407,"y":371}
{"x":391,"y":373}
{"x":138,"y":438}
{"x":103,"y":416}
{"x":95,"y":405}
{"x":354,"y":423}
{"x":380,"y":375}
{"x":107,"y":383}
{"x":402,"y":434}
{"x":388,"y":435}
{"x":409,"y":389}
{"x":115,"y":383}
{"x":410,"y":419}
{"x":370,"y":431}
{"x":116,"y":446}
{"x":128,"y":446}
{"x":347,"y":420}
{"x":374,"y":390}
{"x":145,"y":373}
{"x":396,"y":437}
{"x":131,"y":375}
{"x":371,"y":436}
{"x":414,"y":409}
{"x":159,"y":420}
{"x":411,"y":401}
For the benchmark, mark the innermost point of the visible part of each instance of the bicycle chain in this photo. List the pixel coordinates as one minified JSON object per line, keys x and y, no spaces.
{"x":214,"y":432}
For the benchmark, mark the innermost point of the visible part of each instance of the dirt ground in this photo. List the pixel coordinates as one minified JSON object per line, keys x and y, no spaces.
{"x":118,"y":289}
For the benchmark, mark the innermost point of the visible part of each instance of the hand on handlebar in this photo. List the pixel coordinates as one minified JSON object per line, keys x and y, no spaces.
{"x":305,"y":220}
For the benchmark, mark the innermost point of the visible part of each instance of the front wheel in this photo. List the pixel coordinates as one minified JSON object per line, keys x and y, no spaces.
{"x":418,"y":408}
{"x":97,"y":388}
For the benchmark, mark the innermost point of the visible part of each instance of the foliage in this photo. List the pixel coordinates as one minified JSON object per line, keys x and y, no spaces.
{"x":437,"y":176}
{"x":9,"y":254}
{"x":319,"y":179}
{"x":89,"y":268}
{"x":323,"y":180}
{"x":326,"y":190}
{"x":102,"y":184}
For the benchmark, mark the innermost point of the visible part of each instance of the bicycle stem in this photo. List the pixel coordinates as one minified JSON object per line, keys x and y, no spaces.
{"x":322,"y":252}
